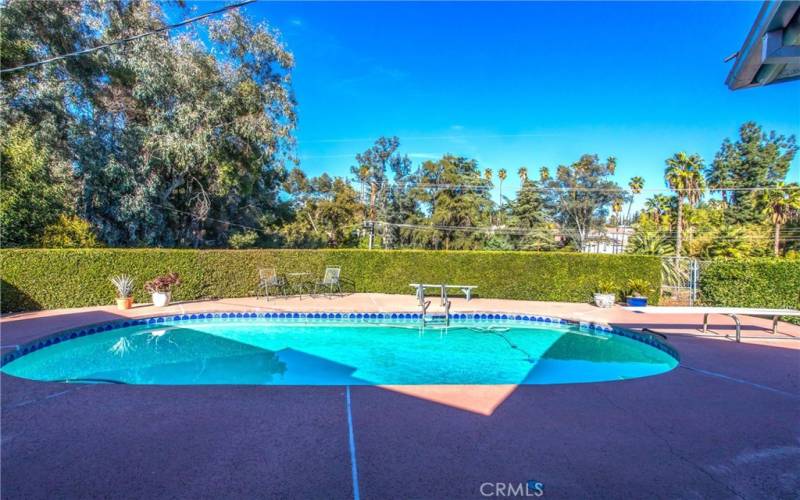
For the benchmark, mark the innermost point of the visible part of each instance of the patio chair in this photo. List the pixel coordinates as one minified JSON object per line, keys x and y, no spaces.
{"x":269,"y":278}
{"x":331,"y":281}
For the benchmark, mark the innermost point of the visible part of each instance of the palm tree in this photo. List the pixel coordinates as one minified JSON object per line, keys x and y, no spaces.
{"x":612,"y":164}
{"x":658,"y":206}
{"x":544,"y":174}
{"x":487,"y":174}
{"x":523,"y":174}
{"x":636,"y":185}
{"x":780,"y":205}
{"x":649,"y":243}
{"x":684,"y":175}
{"x":501,"y":174}
{"x":616,"y":207}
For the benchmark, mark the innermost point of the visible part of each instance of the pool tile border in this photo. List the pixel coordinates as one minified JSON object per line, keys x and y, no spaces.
{"x":327,"y":316}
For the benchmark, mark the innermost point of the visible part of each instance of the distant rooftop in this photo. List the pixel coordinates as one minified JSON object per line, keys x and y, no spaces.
{"x":771,"y":52}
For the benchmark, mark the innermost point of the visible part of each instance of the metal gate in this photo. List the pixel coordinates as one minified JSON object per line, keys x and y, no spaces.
{"x":679,"y":279}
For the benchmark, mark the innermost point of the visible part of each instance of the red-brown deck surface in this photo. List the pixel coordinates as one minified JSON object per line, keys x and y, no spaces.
{"x":724,"y":424}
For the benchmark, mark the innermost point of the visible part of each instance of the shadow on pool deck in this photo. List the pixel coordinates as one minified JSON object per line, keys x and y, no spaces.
{"x":722,"y":425}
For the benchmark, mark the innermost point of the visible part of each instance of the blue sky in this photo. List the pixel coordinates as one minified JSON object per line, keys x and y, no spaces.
{"x":515,"y":84}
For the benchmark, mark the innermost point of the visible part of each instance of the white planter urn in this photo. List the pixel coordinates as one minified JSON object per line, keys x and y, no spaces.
{"x":604,"y":300}
{"x":161,"y":299}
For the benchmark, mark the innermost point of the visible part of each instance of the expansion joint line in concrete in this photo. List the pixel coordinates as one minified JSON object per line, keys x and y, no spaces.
{"x":740,"y":381}
{"x":352,"y":443}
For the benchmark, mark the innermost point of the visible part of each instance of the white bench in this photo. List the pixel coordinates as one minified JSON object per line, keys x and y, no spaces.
{"x":420,"y":287}
{"x":733,"y":312}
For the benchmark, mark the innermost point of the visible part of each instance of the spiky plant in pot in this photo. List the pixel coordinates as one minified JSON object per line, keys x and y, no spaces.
{"x":124,"y":285}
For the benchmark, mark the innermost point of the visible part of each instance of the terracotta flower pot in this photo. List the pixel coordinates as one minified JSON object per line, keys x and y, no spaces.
{"x":125,"y":303}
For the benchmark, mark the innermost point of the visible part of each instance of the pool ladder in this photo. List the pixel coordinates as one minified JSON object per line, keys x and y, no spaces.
{"x":426,"y":319}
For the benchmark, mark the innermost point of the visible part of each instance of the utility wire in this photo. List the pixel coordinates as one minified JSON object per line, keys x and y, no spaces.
{"x":792,"y":234}
{"x":482,"y":187}
{"x":128,"y":39}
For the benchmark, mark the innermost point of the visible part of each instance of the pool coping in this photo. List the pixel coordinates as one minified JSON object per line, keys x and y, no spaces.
{"x":51,"y":339}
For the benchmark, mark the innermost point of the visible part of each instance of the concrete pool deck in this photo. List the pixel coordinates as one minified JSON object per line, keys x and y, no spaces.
{"x":724,"y":424}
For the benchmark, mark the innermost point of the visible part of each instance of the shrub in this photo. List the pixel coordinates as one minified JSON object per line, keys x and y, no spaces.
{"x":637,"y":288}
{"x":755,"y":282}
{"x":244,"y":239}
{"x":606,"y":286}
{"x":69,"y":232}
{"x":56,"y":278}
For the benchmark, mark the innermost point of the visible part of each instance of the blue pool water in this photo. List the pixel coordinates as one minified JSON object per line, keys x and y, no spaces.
{"x":270,"y":352}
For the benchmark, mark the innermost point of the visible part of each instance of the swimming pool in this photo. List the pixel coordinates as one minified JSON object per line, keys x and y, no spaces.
{"x":341,"y":349}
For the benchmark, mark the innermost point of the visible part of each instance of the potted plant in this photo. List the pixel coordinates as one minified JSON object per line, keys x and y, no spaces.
{"x":605,"y":293}
{"x":160,"y":288}
{"x":124,"y":285}
{"x":637,"y":290}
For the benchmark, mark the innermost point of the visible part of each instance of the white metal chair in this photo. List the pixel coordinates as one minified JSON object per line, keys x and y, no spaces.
{"x":269,"y":278}
{"x":330,"y":281}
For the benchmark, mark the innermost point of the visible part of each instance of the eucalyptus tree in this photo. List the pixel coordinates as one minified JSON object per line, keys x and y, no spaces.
{"x":684,"y":175}
{"x":371,"y":167}
{"x":38,"y":112}
{"x":754,"y":161}
{"x":388,"y":176}
{"x":171,"y":137}
{"x":579,"y":196}
{"x":326,"y":212}
{"x":780,"y":205}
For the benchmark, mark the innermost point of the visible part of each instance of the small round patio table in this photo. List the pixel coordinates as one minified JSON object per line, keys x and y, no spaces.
{"x":299,"y":283}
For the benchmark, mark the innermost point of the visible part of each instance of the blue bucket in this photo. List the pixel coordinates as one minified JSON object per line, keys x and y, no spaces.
{"x":637,"y":301}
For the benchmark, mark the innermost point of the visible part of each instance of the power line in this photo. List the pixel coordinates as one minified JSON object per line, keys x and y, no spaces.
{"x":792,"y":234}
{"x":128,"y":39}
{"x":483,"y":187}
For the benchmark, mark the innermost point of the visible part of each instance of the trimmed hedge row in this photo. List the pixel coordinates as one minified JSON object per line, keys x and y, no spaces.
{"x":757,"y":282}
{"x":56,"y":278}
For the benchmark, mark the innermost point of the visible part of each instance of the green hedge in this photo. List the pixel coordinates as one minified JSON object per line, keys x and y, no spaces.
{"x":46,"y":279}
{"x":760,"y":282}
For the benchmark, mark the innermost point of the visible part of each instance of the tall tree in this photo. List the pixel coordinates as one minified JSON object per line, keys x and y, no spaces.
{"x":754,"y":161}
{"x":659,"y":206}
{"x":579,"y":196}
{"x":326,"y":212}
{"x":529,"y":218}
{"x":544,"y":174}
{"x":459,"y":211}
{"x":34,"y":189}
{"x":684,"y":175}
{"x":501,"y":175}
{"x":379,"y":161}
{"x":168,"y":134}
{"x":636,"y":184}
{"x":780,"y":205}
